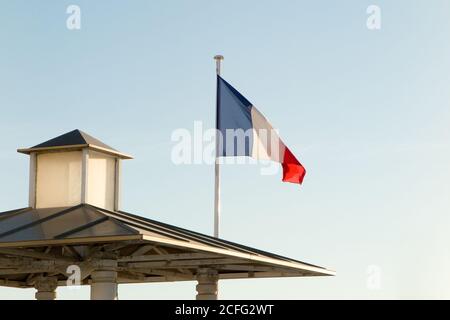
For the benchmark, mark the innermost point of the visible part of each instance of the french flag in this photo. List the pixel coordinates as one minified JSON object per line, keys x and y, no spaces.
{"x":235,"y":114}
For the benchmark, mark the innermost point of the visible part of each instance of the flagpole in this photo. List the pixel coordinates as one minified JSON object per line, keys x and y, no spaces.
{"x":218,"y":59}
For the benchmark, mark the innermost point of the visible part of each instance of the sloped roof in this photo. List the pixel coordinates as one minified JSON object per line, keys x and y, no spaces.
{"x":73,"y":140}
{"x":58,"y":223}
{"x":84,"y":225}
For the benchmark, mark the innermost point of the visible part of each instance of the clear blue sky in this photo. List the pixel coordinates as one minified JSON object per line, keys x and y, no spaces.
{"x":366,"y":112}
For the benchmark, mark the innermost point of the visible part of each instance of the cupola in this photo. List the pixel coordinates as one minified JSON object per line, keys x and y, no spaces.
{"x":72,"y":169}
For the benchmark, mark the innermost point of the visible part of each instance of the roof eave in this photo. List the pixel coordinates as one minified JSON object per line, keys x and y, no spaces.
{"x":250,"y":257}
{"x":76,"y":147}
{"x":68,"y":241}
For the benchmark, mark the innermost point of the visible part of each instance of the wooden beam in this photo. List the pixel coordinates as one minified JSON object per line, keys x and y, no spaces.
{"x":245,"y":275}
{"x":30,"y":279}
{"x":155,"y":279}
{"x":92,"y":251}
{"x":162,"y":251}
{"x":4,"y":272}
{"x":95,"y":249}
{"x":86,"y":270}
{"x":143,"y":249}
{"x":131,"y":275}
{"x":63,"y":283}
{"x":225,"y":276}
{"x":252,"y":268}
{"x":73,"y":241}
{"x":12,"y":283}
{"x":184,"y":263}
{"x":14,"y":262}
{"x":33,"y":254}
{"x":6,"y":263}
{"x":158,"y":272}
{"x":168,"y":257}
{"x":120,"y":245}
{"x":74,"y":252}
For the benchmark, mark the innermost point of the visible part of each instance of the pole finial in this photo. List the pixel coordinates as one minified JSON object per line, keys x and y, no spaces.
{"x":218,"y":59}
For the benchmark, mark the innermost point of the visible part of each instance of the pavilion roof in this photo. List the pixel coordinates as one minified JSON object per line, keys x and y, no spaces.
{"x":154,"y":250}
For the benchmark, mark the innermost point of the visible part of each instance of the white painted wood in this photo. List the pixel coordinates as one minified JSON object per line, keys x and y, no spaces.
{"x":117,"y":185}
{"x":76,"y":147}
{"x":32,"y":186}
{"x":58,"y":179}
{"x":101,"y":180}
{"x":84,"y":175}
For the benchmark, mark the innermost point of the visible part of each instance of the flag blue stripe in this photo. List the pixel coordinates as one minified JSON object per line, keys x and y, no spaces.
{"x":234,"y":112}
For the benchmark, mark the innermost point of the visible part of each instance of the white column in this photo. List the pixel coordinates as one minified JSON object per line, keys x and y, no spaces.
{"x":104,"y":281}
{"x":46,"y":288}
{"x":207,"y":287}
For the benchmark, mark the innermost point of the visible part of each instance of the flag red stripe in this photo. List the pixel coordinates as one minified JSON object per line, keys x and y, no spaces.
{"x":293,"y":171}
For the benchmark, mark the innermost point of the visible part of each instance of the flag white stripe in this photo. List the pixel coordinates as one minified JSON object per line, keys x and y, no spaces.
{"x":267,"y":144}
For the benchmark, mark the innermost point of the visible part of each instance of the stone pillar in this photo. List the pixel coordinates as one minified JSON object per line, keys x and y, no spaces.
{"x":104,"y":281}
{"x":207,"y":286}
{"x":46,"y":288}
